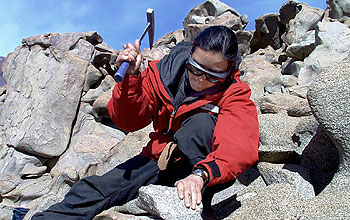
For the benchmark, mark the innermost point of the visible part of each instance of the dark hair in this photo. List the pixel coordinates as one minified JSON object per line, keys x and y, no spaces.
{"x":219,"y":39}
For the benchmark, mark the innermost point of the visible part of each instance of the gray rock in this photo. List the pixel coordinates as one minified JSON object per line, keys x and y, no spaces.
{"x":206,"y":12}
{"x":333,"y":41}
{"x":299,"y":108}
{"x":299,"y":19}
{"x":302,"y":48}
{"x":319,"y":154}
{"x":277,"y":103}
{"x":30,"y":171}
{"x":5,"y":212}
{"x":99,"y":107}
{"x":107,"y":83}
{"x":292,"y":67}
{"x":129,"y":147}
{"x":277,"y":148}
{"x":163,"y":202}
{"x":8,"y":183}
{"x":205,"y":15}
{"x":93,"y":76}
{"x":55,"y":191}
{"x":89,"y":144}
{"x":66,"y":42}
{"x":339,"y":9}
{"x":268,"y":32}
{"x":41,"y":83}
{"x":170,"y":40}
{"x":277,"y":201}
{"x":27,"y":191}
{"x":328,"y":97}
{"x":294,"y":175}
{"x":244,"y":39}
{"x":289,"y":80}
{"x":298,"y":90}
{"x":329,"y":206}
{"x":12,"y":161}
{"x":257,"y":72}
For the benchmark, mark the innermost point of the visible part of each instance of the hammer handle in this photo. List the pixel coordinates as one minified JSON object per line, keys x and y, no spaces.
{"x":119,"y":75}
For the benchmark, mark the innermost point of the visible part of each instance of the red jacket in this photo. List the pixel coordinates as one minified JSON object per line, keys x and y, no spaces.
{"x":139,"y":100}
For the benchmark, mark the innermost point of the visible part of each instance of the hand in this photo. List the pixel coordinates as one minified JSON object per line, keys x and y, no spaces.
{"x":131,"y":54}
{"x":190,"y":189}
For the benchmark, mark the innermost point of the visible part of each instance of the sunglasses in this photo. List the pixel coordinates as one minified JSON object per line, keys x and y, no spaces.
{"x":197,"y":70}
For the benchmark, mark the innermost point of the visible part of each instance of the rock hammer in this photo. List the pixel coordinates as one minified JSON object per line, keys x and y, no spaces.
{"x":119,"y":75}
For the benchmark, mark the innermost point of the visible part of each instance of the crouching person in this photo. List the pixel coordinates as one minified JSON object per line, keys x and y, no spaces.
{"x":205,"y":126}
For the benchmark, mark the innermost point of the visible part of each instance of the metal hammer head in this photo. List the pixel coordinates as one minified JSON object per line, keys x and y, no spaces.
{"x":150,"y":20}
{"x":150,"y":27}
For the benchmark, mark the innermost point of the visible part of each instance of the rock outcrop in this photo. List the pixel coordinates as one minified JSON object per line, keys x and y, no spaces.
{"x":55,"y":128}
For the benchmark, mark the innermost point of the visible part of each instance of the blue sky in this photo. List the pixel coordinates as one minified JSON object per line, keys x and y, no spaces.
{"x":118,"y":22}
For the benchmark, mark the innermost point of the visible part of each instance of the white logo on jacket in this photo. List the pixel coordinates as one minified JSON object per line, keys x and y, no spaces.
{"x":211,"y":108}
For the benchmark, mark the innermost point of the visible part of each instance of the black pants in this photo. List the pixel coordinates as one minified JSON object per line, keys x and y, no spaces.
{"x":91,"y":195}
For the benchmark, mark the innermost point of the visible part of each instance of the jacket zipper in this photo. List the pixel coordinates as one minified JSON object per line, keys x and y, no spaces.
{"x":172,"y":116}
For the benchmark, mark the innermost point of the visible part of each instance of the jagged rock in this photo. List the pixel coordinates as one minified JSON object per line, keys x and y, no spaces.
{"x":244,"y":39}
{"x":294,"y":175}
{"x":277,"y":148}
{"x":339,"y":10}
{"x":268,"y":32}
{"x":229,"y":20}
{"x":212,"y":12}
{"x":257,"y":72}
{"x":27,"y":191}
{"x":6,"y":212}
{"x":163,"y":202}
{"x":73,"y":42}
{"x":30,"y":171}
{"x":302,"y":49}
{"x":333,"y":42}
{"x":41,"y":81}
{"x":299,"y":108}
{"x":99,"y":107}
{"x":276,"y":103}
{"x":55,"y":191}
{"x":277,"y":201}
{"x":107,"y":83}
{"x":299,"y":18}
{"x":298,"y":90}
{"x":289,"y":80}
{"x":292,"y":67}
{"x":93,"y":76}
{"x":170,"y":40}
{"x":90,"y":142}
{"x":12,"y":161}
{"x":129,"y":147}
{"x":328,"y":97}
{"x":207,"y":12}
{"x":8,"y":183}
{"x":270,"y":54}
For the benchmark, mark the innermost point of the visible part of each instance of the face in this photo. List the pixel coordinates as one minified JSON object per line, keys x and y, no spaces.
{"x":209,"y":60}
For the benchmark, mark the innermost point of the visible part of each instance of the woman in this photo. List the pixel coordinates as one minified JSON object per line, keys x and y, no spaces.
{"x":205,"y":126}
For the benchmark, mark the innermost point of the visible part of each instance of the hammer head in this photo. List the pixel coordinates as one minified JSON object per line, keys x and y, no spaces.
{"x":150,"y":24}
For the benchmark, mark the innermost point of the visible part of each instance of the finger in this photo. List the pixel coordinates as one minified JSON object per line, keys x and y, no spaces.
{"x":187,"y":194}
{"x":180,"y":189}
{"x":199,"y":198}
{"x":131,"y":46}
{"x":194,"y":196}
{"x":137,"y":46}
